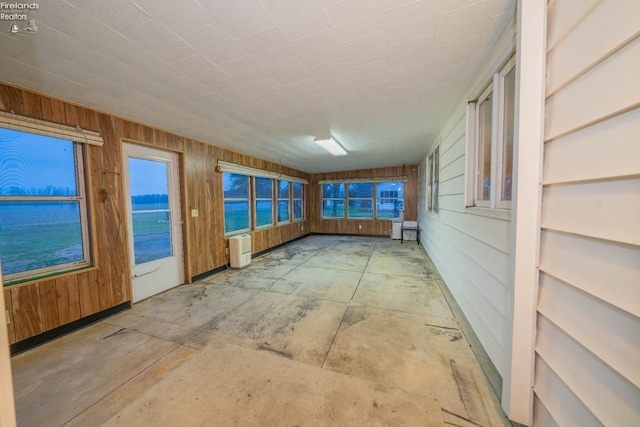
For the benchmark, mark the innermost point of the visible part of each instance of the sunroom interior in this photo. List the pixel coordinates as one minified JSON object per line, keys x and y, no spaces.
{"x":164,"y":177}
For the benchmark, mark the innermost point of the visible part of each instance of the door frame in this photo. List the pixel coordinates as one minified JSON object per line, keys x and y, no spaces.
{"x":182,"y":182}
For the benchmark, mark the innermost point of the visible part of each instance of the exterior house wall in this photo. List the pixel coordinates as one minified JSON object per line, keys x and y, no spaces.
{"x":470,"y":248}
{"x":588,"y":315}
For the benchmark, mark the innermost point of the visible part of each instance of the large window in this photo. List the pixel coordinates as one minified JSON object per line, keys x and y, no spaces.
{"x":264,"y":201}
{"x":283,"y":201}
{"x":491,"y":133}
{"x":236,"y":202}
{"x":433,"y":180}
{"x":389,"y":199}
{"x":360,"y":200}
{"x":298,"y":204}
{"x":43,"y":209}
{"x":333,"y":200}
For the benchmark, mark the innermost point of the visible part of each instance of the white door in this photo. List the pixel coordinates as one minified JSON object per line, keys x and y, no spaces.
{"x":154,"y":219}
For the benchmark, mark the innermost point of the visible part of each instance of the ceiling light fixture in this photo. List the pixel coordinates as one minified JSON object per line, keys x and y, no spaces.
{"x":332,"y":146}
{"x":13,"y":28}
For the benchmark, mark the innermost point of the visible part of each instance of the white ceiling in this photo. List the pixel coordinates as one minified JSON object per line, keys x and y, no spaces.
{"x":265,"y":77}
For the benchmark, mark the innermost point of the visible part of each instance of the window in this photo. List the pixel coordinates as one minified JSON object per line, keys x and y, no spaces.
{"x":283,"y":201}
{"x":433,"y":180}
{"x":264,"y":202}
{"x":43,"y":209}
{"x":236,"y":202}
{"x":360,"y":200}
{"x":491,"y":136}
{"x":333,"y":200}
{"x":389,"y":200}
{"x":298,"y":208}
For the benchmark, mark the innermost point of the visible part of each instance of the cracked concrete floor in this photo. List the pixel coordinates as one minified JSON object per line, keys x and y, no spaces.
{"x":325,"y":331}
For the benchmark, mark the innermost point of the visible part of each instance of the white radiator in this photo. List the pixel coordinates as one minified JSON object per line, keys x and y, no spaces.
{"x":240,"y":251}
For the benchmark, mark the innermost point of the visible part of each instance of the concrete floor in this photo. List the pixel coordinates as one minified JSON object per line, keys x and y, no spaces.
{"x":325,"y":331}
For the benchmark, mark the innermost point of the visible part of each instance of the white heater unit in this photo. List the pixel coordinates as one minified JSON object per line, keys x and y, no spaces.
{"x":240,"y":251}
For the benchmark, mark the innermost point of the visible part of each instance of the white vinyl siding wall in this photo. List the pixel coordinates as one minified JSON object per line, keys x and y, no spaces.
{"x":470,"y":250}
{"x":587,"y":369}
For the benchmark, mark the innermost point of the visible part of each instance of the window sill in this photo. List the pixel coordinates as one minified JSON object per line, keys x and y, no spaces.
{"x":24,"y":282}
{"x":499,"y":214}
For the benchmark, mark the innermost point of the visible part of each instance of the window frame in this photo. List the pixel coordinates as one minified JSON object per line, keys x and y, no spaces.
{"x":82,"y":197}
{"x":301,"y":199}
{"x":343,"y":199}
{"x":236,"y":199}
{"x":433,"y":180}
{"x":287,"y":199}
{"x":377,"y":200}
{"x":255,"y":203}
{"x":349,"y":198}
{"x":496,"y":91}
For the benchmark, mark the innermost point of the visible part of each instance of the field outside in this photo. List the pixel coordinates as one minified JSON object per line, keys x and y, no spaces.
{"x":37,"y":235}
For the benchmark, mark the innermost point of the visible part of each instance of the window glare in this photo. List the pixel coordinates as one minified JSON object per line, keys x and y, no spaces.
{"x":35,"y":165}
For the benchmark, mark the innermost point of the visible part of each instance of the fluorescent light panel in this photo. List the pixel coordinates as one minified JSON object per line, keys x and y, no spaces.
{"x":332,"y":146}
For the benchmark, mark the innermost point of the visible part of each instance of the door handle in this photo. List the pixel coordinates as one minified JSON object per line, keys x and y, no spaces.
{"x":179,"y":222}
{"x":146,"y":272}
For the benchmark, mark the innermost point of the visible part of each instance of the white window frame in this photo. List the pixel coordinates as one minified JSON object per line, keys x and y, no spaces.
{"x":349,"y":198}
{"x":344,"y":200}
{"x":293,"y":199}
{"x":82,"y":199}
{"x":237,"y":199}
{"x":433,"y":180}
{"x":256,"y":199}
{"x":288,"y":199}
{"x":495,"y":89}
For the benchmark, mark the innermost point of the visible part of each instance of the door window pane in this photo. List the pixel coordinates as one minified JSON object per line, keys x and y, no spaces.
{"x":151,"y":236}
{"x":151,"y":216}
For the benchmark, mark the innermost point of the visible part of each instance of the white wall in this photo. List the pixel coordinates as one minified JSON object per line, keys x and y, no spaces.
{"x":587,"y":368}
{"x":470,"y":250}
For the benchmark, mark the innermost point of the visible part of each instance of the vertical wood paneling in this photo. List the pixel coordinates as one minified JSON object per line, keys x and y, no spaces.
{"x":52,"y":109}
{"x":68,"y":298}
{"x":588,"y":337}
{"x":27,"y":312}
{"x":9,"y":307}
{"x":37,"y":307}
{"x":49,"y":304}
{"x":11,"y":99}
{"x":32,"y":105}
{"x":88,"y":295}
{"x":351,"y":226}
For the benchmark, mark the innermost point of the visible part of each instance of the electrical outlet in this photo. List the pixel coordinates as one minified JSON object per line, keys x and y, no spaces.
{"x":8,"y":317}
{"x":303,"y":227}
{"x":360,"y":227}
{"x":194,"y":213}
{"x":227,"y":251}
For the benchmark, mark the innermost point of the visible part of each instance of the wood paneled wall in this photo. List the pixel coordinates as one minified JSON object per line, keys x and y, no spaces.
{"x":37,"y":307}
{"x":369,"y":227}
